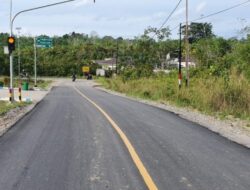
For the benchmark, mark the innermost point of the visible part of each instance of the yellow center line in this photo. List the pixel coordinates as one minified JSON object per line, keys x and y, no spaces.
{"x":143,"y":171}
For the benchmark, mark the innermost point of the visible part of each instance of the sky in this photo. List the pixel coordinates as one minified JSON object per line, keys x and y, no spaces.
{"x":126,"y":18}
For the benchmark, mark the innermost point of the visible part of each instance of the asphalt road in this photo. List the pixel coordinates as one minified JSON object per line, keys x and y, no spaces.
{"x":66,"y":143}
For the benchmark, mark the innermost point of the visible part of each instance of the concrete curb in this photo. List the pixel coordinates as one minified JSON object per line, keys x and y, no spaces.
{"x":21,"y":113}
{"x":223,"y":128}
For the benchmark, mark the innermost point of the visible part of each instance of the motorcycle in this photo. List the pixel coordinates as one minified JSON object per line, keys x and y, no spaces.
{"x":73,"y":78}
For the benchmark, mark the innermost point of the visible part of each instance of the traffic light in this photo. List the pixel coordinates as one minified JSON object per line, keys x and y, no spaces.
{"x":11,"y":44}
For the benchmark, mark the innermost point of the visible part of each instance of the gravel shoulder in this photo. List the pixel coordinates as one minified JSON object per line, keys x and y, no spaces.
{"x":233,"y":129}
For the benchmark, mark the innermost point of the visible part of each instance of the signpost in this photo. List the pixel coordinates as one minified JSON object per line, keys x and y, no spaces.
{"x":40,"y":42}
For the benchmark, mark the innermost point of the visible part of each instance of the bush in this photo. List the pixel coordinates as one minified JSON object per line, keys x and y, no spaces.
{"x":6,"y":81}
{"x":133,"y":73}
{"x":108,"y":73}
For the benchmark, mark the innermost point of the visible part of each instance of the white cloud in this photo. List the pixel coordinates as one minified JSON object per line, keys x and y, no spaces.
{"x":201,"y":6}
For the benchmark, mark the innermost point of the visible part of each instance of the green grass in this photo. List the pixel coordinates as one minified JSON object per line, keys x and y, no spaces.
{"x":7,"y":106}
{"x":43,"y":84}
{"x":209,"y":95}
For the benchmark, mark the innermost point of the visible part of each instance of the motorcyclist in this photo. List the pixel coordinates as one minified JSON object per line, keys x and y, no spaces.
{"x":73,"y":77}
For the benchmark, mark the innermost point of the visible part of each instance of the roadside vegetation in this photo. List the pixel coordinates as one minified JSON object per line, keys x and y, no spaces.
{"x":7,"y":106}
{"x":43,"y":84}
{"x":209,"y":95}
{"x":219,"y":85}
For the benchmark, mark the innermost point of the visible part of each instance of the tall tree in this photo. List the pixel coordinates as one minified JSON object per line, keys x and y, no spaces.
{"x":198,"y":31}
{"x":161,"y":34}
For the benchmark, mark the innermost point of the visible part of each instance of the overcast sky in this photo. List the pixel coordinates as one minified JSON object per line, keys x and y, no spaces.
{"x":127,"y":18}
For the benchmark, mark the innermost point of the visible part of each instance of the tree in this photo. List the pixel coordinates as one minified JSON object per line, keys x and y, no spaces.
{"x":240,"y":56}
{"x":245,"y":31}
{"x":208,"y":52}
{"x":161,"y":34}
{"x":198,"y":31}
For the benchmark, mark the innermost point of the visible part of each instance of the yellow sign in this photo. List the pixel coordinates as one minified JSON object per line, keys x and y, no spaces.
{"x":85,"y":69}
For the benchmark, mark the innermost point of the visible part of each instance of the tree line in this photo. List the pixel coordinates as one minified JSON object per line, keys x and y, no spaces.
{"x":136,"y":57}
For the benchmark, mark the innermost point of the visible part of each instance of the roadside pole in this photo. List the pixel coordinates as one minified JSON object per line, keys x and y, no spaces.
{"x":35,"y":61}
{"x":187,"y":47}
{"x":11,"y":79}
{"x":116,"y":60}
{"x":180,"y":59}
{"x":11,"y":90}
{"x":18,"y":44}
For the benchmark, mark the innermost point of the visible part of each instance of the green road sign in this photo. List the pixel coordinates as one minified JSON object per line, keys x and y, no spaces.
{"x":44,"y":42}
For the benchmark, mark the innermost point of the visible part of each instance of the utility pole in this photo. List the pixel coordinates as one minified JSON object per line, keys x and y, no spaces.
{"x":180,"y":59}
{"x":187,"y":47}
{"x":116,"y":60}
{"x":35,"y":61}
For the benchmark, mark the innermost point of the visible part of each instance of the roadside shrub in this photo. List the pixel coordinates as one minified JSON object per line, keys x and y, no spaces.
{"x":6,"y":81}
{"x":108,"y":73}
{"x":133,"y":73}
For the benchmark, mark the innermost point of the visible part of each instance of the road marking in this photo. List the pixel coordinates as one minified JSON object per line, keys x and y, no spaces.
{"x":143,"y":171}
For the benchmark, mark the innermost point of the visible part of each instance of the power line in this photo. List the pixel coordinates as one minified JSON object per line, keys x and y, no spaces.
{"x":224,"y":10}
{"x":169,"y":16}
{"x":215,"y":13}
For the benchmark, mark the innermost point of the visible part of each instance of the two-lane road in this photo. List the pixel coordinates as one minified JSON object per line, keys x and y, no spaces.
{"x":67,"y":143}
